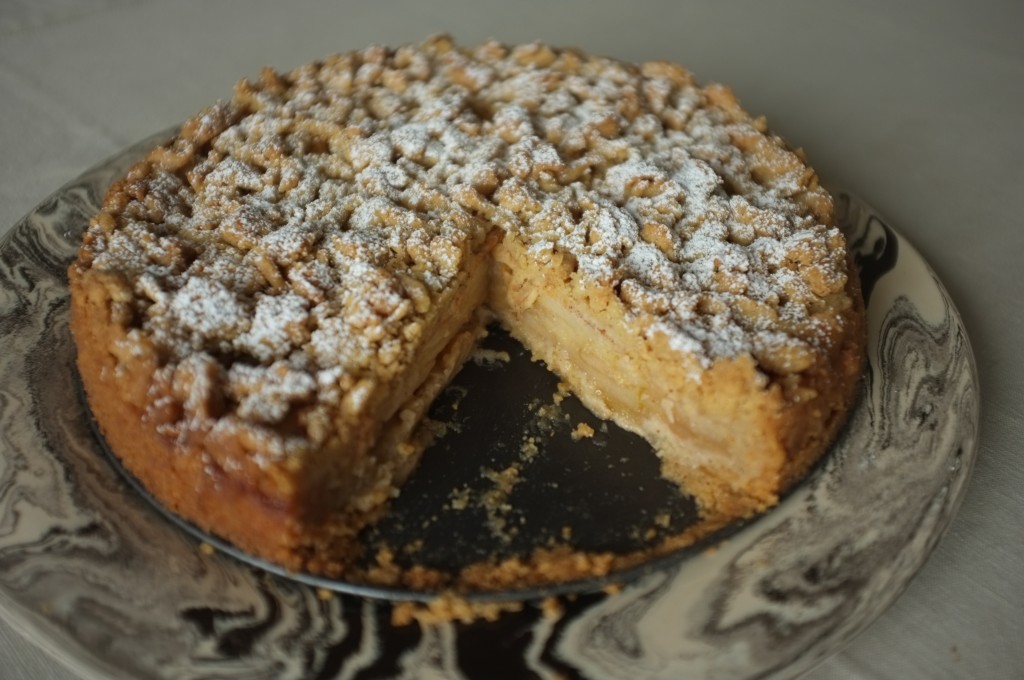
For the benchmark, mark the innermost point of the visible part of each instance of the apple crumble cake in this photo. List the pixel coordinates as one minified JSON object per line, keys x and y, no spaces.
{"x":266,"y":305}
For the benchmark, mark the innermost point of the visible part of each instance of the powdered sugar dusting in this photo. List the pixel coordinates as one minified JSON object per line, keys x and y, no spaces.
{"x":301,"y":234}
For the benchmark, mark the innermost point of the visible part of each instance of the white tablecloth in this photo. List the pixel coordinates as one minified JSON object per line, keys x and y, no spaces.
{"x":917,"y":107}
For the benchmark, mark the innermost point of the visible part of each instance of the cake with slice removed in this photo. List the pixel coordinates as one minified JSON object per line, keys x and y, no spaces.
{"x":266,"y":306}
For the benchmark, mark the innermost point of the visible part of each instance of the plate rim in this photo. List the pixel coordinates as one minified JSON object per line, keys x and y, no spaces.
{"x":54,"y":640}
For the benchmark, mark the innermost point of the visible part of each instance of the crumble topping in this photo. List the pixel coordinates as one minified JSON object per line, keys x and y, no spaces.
{"x":288,"y":246}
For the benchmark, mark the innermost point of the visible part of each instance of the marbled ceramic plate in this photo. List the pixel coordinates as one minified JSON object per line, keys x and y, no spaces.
{"x":94,"y":574}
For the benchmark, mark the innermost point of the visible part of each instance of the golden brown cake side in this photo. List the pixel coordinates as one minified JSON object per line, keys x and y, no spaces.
{"x":181,"y":476}
{"x":267,"y":510}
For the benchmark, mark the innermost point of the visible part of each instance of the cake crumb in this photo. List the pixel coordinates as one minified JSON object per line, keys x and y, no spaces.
{"x":448,"y":608}
{"x":459,"y":498}
{"x":612,"y":589}
{"x":413,"y":547}
{"x":483,"y":356}
{"x":582,"y":431}
{"x":551,"y":608}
